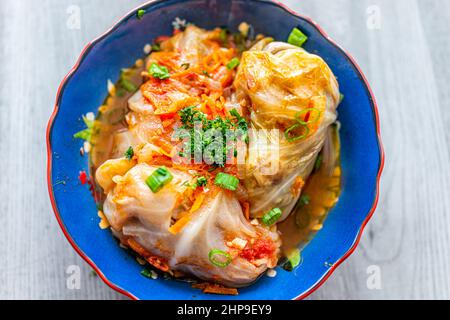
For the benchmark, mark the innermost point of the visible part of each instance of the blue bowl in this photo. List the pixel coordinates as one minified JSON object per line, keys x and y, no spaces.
{"x":84,"y":89}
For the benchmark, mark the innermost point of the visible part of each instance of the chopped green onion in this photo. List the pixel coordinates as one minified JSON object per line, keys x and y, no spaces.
{"x":233,"y":63}
{"x":120,"y":92}
{"x":235,"y":114}
{"x":88,"y":123}
{"x":140,"y":14}
{"x":341,"y":98}
{"x":158,"y":179}
{"x":156,"y":47}
{"x":84,"y":135}
{"x":202,"y":181}
{"x":305,"y":200}
{"x":226,"y":181}
{"x":206,"y":73}
{"x":219,"y":258}
{"x":294,"y":259}
{"x":300,"y":116}
{"x":271,"y":217}
{"x":299,"y":137}
{"x":297,"y":38}
{"x":146,"y":273}
{"x":128,"y":85}
{"x":159,"y":72}
{"x":186,"y":66}
{"x":224,"y":35}
{"x":129,"y":153}
{"x":318,"y":162}
{"x":150,"y":274}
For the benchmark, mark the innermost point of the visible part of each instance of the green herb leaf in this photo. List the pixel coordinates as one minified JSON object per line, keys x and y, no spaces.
{"x":129,"y":153}
{"x":202,"y":181}
{"x":305,"y":199}
{"x":156,"y":47}
{"x":159,"y":72}
{"x":318,"y":162}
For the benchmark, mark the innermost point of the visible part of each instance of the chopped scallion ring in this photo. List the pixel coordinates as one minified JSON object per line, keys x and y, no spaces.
{"x":128,"y":85}
{"x":306,"y":116}
{"x":219,"y":258}
{"x":272,"y":216}
{"x":226,"y":181}
{"x":297,"y":38}
{"x":299,"y":137}
{"x":233,"y":63}
{"x":158,"y":179}
{"x":140,"y":14}
{"x":294,"y":259}
{"x":305,"y":199}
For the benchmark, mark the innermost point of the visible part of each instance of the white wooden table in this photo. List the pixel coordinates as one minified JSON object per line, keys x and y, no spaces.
{"x":407,"y":62}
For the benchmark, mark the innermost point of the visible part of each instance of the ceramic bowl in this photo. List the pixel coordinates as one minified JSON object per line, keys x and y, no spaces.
{"x":84,"y":89}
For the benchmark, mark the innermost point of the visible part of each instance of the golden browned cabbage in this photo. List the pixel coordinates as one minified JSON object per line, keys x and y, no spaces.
{"x":282,"y":84}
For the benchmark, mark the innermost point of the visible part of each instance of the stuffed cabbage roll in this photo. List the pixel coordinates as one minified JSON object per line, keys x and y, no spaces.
{"x":296,"y":93}
{"x":217,"y":225}
{"x":213,"y":217}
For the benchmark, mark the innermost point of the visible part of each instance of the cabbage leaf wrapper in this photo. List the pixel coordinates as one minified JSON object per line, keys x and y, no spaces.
{"x":134,"y":211}
{"x":284,"y":87}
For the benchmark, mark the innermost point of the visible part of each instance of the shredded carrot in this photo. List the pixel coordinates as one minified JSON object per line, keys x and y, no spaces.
{"x":168,"y":123}
{"x":198,"y":202}
{"x":184,"y":220}
{"x":297,"y":186}
{"x":165,"y":145}
{"x":180,"y":224}
{"x":246,"y":207}
{"x":215,"y":289}
{"x":155,"y":261}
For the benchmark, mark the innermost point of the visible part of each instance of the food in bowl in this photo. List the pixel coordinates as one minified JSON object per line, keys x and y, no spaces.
{"x":217,"y":156}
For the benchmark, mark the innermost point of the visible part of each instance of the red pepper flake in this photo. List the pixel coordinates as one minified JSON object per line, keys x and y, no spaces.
{"x":161,"y":39}
{"x":83,"y":177}
{"x":308,"y":114}
{"x":262,"y":248}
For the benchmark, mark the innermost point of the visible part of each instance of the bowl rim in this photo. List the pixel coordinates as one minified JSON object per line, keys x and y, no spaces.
{"x":322,"y":32}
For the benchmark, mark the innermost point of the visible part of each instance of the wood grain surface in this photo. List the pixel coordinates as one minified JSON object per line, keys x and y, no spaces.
{"x":407,"y":63}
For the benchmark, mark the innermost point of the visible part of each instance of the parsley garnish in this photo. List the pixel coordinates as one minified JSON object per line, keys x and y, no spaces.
{"x":213,"y":134}
{"x":129,"y":153}
{"x":202,"y":181}
{"x":159,"y":72}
